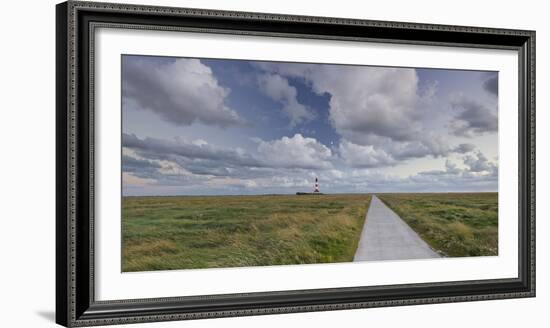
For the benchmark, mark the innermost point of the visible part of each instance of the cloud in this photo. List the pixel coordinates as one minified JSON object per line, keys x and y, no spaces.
{"x":478,"y":162}
{"x":199,"y":157}
{"x":286,"y":165}
{"x":278,"y":89}
{"x":475,"y":166}
{"x":428,"y":144}
{"x":381,"y":108}
{"x":464,"y":148}
{"x":131,"y":181}
{"x":477,"y":174}
{"x":364,"y":156}
{"x":472,"y":117}
{"x":451,"y":167}
{"x":196,"y":150}
{"x":378,"y":117}
{"x":383,"y":153}
{"x":491,"y":84}
{"x":381,"y":101}
{"x":136,"y":164}
{"x":450,"y":178}
{"x":370,"y":101}
{"x":295,"y":152}
{"x":195,"y":166}
{"x":182,"y":92}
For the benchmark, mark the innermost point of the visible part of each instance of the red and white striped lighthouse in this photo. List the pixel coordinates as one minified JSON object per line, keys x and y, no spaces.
{"x":316,"y":185}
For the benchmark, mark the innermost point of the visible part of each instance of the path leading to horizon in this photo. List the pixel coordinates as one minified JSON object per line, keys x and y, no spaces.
{"x":386,"y":236}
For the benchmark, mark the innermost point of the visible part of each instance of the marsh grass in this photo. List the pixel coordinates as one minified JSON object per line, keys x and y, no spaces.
{"x":163,"y":233}
{"x":456,"y":224}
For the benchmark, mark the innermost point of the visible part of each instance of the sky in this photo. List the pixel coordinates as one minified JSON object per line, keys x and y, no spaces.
{"x":228,"y":127}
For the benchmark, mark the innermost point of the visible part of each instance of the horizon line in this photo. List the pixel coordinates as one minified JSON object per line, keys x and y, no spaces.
{"x":341,"y":193}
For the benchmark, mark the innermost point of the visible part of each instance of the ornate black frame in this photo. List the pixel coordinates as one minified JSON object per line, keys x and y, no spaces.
{"x":76,"y":23}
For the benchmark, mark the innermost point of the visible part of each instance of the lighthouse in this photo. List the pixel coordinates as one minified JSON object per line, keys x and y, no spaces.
{"x":316,"y":185}
{"x":316,"y":190}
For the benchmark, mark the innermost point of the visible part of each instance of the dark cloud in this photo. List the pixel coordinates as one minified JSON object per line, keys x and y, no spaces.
{"x":165,"y":149}
{"x":472,"y":118}
{"x":132,"y":164}
{"x":491,"y":84}
{"x":464,"y":148}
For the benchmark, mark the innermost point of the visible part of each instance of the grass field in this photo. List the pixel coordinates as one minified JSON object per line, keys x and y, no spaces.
{"x":162,"y":233}
{"x":457,"y":224}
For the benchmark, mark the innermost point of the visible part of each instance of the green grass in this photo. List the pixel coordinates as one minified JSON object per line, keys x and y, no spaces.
{"x":456,"y":224}
{"x":163,"y":233}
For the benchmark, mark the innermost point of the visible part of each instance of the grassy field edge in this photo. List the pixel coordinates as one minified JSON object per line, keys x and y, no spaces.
{"x":453,"y":224}
{"x":192,"y":232}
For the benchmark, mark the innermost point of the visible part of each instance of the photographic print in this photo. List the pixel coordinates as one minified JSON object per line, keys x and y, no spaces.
{"x":219,"y":164}
{"x":232,"y":163}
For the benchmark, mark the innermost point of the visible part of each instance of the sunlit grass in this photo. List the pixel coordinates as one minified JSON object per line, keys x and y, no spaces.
{"x":163,"y":233}
{"x":456,"y":224}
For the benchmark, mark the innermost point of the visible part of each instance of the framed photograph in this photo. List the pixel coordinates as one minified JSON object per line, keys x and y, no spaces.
{"x":214,"y":163}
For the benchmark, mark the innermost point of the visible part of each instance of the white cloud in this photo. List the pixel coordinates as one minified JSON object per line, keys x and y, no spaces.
{"x":370,"y":101}
{"x":289,"y":165}
{"x":130,"y":180}
{"x":364,"y":101}
{"x":382,"y":151}
{"x":380,"y":114}
{"x":172,"y":168}
{"x":231,"y":182}
{"x":380,"y":108}
{"x":295,"y":152}
{"x":364,"y":156}
{"x":277,"y":88}
{"x":181,"y":92}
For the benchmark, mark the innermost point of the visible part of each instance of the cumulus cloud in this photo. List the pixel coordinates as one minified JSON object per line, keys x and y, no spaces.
{"x":477,"y":174}
{"x":288,"y":164}
{"x":277,"y":88}
{"x":472,"y":117}
{"x":364,"y":156}
{"x":378,"y":117}
{"x":364,"y":101}
{"x":381,"y":108}
{"x":182,"y":91}
{"x":371,"y":101}
{"x":475,"y":166}
{"x":450,"y":178}
{"x":296,"y":152}
{"x":478,"y":162}
{"x":200,"y":157}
